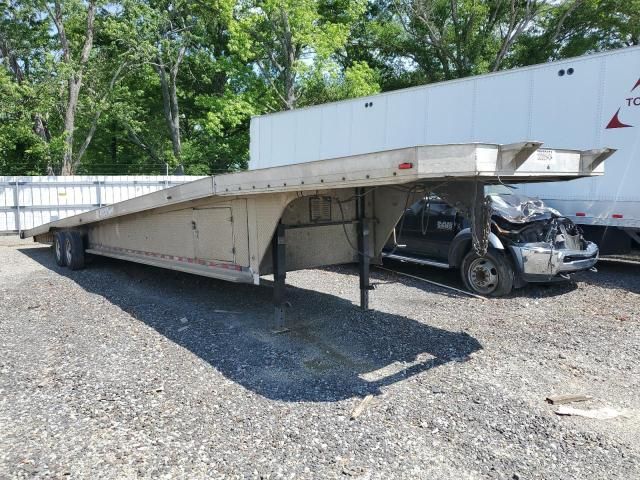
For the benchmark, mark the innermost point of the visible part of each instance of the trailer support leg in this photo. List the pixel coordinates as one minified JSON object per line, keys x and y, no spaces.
{"x":364,"y":257}
{"x":279,"y":274}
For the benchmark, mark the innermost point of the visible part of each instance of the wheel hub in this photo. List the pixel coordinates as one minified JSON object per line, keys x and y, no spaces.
{"x":68,"y":251}
{"x":483,"y":275}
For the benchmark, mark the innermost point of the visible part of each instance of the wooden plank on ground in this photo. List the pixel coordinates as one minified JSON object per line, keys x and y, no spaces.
{"x":568,"y":398}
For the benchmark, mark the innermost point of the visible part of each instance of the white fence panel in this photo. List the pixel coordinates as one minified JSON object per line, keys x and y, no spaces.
{"x":26,"y":202}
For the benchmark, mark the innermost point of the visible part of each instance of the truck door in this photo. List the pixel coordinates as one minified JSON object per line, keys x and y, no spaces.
{"x":408,"y":229}
{"x":213,"y":234}
{"x":429,"y":227}
{"x":438,"y":227}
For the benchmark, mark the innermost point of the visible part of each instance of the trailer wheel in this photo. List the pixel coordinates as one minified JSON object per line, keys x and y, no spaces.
{"x":74,"y":250}
{"x":58,"y":248}
{"x":491,"y":274}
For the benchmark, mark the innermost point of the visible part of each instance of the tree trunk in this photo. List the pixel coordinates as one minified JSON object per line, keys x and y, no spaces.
{"x":114,"y":150}
{"x":170,"y":108}
{"x":40,"y":128}
{"x":75,"y":83}
{"x":175,"y":116}
{"x":75,"y":80}
{"x":170,"y":104}
{"x":290,"y":96}
{"x":96,"y":118}
{"x":133,"y":136}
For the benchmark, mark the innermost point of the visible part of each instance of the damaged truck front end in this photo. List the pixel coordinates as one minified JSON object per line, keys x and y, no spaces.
{"x":519,"y":240}
{"x":544,"y":245}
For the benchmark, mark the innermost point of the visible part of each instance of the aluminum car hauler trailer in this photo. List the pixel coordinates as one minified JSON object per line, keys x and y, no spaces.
{"x":240,"y":226}
{"x":587,"y":102}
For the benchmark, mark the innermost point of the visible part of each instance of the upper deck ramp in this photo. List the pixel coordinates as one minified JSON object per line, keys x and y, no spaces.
{"x":487,"y":163}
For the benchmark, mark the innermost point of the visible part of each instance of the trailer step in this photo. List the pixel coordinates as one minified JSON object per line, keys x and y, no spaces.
{"x":230,"y":273}
{"x":418,"y":260}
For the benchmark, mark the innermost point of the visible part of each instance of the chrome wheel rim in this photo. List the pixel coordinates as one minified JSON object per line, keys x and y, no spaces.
{"x":58,"y":249}
{"x":483,"y":275}
{"x":68,"y":250}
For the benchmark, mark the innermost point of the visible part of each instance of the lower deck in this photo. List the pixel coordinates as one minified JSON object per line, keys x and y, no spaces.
{"x":230,"y":238}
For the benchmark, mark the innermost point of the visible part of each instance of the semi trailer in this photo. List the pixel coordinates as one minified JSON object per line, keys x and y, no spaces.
{"x":242,"y":226}
{"x":588,"y":102}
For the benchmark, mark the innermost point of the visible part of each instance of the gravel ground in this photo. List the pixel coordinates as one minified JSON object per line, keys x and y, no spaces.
{"x":123,"y":370}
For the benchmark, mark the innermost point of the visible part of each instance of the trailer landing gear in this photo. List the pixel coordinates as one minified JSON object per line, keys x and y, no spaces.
{"x":364,"y":258}
{"x":278,"y":245}
{"x":278,"y":252}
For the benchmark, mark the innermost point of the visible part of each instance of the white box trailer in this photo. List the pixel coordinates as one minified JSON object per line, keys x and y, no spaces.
{"x":579,"y":103}
{"x":240,"y":226}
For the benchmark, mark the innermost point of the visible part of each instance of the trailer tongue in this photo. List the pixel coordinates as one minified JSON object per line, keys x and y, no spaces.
{"x":240,"y":226}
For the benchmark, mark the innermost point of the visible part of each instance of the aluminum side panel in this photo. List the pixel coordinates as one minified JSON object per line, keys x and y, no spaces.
{"x":368,"y":130}
{"x":168,"y":233}
{"x":308,"y":151}
{"x":213,"y":233}
{"x":320,"y":246}
{"x":313,"y":246}
{"x":252,"y":237}
{"x":240,"y":231}
{"x":268,"y":211}
{"x":496,"y":107}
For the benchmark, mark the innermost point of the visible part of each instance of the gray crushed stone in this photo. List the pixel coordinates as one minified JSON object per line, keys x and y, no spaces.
{"x":123,"y":370}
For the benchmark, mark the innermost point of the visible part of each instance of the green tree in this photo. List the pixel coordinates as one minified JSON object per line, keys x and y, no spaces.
{"x":448,"y":39}
{"x":574,"y":28}
{"x":75,"y":45}
{"x":26,"y":89}
{"x":181,"y":74}
{"x":134,"y":86}
{"x":291,"y":43}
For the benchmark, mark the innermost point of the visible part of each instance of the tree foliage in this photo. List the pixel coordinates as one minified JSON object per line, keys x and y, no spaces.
{"x":139,"y":86}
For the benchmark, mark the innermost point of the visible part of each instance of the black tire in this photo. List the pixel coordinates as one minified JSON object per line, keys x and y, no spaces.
{"x":74,"y":250}
{"x":491,"y":275}
{"x":58,"y":248}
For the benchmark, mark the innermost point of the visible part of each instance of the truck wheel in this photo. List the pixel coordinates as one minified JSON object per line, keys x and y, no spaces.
{"x":58,"y":248}
{"x":74,"y":250}
{"x":491,"y":275}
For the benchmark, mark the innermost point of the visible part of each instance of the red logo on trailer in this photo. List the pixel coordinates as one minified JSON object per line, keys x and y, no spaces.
{"x":615,"y":121}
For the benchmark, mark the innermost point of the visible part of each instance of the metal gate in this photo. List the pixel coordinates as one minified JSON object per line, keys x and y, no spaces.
{"x":27,"y":202}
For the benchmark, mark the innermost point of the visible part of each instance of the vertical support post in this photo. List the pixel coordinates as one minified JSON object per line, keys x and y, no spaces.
{"x":278,"y":245}
{"x":16,"y":202}
{"x":364,"y":257}
{"x":98,"y":192}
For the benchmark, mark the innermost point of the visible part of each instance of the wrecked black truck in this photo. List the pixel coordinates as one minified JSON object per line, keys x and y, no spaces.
{"x":528,"y":242}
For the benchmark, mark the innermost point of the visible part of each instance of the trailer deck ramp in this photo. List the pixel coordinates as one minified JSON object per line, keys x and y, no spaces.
{"x":242,"y":225}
